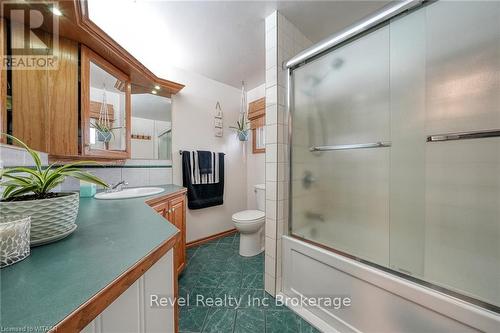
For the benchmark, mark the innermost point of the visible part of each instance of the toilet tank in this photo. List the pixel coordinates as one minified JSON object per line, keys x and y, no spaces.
{"x":260,"y":196}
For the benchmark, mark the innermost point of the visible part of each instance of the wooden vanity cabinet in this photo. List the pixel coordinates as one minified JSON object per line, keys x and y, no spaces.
{"x":177,"y":216}
{"x":173,"y":209}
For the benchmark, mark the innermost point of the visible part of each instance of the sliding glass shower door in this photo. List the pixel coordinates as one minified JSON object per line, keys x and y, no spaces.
{"x":395,"y":152}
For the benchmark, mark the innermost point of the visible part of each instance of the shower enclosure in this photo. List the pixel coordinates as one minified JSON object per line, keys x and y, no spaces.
{"x":395,"y":148}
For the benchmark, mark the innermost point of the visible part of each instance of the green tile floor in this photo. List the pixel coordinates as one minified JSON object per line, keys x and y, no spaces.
{"x":215,"y":270}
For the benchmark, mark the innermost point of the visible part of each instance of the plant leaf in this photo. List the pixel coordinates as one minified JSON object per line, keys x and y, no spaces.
{"x":86,"y":176}
{"x":33,"y":173}
{"x":34,"y":154}
{"x":71,"y":165}
{"x":21,"y":191}
{"x":53,"y":177}
{"x":8,"y":190}
{"x":19,"y":179}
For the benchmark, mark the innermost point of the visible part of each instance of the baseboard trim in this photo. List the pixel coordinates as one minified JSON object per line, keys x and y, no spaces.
{"x":211,"y":238}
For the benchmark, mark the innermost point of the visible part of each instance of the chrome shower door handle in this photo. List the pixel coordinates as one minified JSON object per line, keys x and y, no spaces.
{"x":379,"y":144}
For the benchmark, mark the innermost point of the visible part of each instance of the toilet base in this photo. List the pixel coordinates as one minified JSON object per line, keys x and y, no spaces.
{"x":250,"y":244}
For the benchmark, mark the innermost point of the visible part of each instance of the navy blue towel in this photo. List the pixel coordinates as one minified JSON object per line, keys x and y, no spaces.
{"x":205,"y":162}
{"x":202,"y":195}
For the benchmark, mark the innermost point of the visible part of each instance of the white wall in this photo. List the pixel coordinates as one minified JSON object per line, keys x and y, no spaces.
{"x":255,"y":162}
{"x":193,"y":129}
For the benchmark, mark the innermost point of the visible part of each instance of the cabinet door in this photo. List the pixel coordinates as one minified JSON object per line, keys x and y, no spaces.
{"x":162,"y":209}
{"x":177,"y":216}
{"x":105,"y":102}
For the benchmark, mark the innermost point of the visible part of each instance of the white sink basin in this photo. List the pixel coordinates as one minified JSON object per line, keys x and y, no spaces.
{"x":129,"y":193}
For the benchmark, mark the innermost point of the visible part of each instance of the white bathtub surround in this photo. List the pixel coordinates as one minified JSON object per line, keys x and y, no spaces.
{"x":283,"y":41}
{"x":389,"y":303}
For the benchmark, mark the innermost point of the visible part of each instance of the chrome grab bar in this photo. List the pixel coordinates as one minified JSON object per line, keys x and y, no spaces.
{"x":464,"y":135}
{"x":354,"y":146}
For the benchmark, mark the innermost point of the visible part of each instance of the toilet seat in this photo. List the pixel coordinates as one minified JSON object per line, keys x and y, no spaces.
{"x":248,"y":216}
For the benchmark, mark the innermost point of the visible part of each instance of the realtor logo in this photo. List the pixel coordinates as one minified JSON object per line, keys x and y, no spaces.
{"x":32,"y":31}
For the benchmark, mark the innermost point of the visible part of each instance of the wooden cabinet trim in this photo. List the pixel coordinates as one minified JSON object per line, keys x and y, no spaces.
{"x":81,"y":28}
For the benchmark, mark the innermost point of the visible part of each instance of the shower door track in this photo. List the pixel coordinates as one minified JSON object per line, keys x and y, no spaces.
{"x":386,"y":13}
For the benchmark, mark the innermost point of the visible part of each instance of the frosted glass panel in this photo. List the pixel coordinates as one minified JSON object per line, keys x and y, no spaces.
{"x":430,"y":210}
{"x":462,"y":220}
{"x":341,"y":99}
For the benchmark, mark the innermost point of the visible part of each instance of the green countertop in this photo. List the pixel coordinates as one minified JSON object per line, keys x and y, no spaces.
{"x":112,"y":235}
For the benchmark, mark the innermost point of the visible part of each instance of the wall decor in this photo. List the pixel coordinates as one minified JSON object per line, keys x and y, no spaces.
{"x":218,"y":121}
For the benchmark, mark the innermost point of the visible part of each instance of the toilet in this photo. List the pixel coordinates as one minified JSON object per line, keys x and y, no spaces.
{"x":250,"y":224}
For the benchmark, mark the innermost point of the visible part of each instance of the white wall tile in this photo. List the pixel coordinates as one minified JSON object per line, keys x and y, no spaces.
{"x":271,"y":37}
{"x":270,"y":265}
{"x":271,"y":190}
{"x":271,"y":21}
{"x":271,"y":134}
{"x":269,"y":284}
{"x":160,"y":176}
{"x":288,"y":42}
{"x":271,"y":114}
{"x":271,"y":96}
{"x":270,"y":247}
{"x":135,"y":176}
{"x":271,"y":172}
{"x":109,"y":175}
{"x":271,"y":58}
{"x":272,"y":152}
{"x":271,"y":228}
{"x":271,"y":77}
{"x":70,"y":185}
{"x":271,"y":206}
{"x":11,"y":156}
{"x":280,"y":114}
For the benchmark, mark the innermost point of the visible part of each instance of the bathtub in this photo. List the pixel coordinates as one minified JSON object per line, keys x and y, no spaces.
{"x":380,"y":301}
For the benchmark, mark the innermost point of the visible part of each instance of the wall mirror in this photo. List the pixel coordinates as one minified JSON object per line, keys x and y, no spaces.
{"x":106,"y":107}
{"x":151,"y":130}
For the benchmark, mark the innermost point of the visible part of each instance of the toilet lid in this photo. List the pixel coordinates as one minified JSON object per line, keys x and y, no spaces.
{"x":249,"y":215}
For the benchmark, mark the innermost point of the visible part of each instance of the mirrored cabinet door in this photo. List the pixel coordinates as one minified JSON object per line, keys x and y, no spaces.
{"x":105,"y":108}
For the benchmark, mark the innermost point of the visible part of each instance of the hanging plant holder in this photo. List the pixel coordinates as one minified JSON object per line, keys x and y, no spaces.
{"x":243,"y":135}
{"x":103,"y":125}
{"x":242,"y":127}
{"x":104,"y":136}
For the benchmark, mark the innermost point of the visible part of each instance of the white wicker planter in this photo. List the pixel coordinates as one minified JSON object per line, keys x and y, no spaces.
{"x":51,"y":219}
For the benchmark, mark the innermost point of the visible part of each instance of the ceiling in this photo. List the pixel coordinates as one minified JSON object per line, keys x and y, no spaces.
{"x":222,"y":40}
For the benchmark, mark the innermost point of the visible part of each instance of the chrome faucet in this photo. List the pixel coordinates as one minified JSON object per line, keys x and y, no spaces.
{"x":118,"y":186}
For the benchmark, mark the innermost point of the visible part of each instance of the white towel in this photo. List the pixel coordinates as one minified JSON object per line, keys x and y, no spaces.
{"x":211,"y":178}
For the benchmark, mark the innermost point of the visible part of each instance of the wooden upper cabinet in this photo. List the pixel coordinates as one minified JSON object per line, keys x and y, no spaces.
{"x":44,"y":107}
{"x":105,"y":108}
{"x":64,"y":110}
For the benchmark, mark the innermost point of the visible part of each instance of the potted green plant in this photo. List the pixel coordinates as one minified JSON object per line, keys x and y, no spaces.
{"x":28,"y":192}
{"x":242,"y":128}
